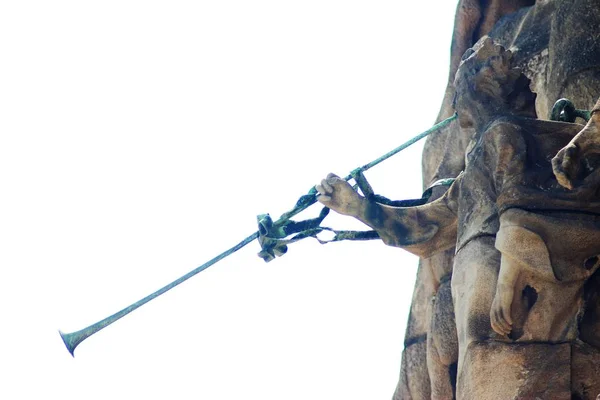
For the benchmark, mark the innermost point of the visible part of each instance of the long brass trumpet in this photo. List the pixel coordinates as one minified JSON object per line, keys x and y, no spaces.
{"x":269,"y":252}
{"x":73,"y":339}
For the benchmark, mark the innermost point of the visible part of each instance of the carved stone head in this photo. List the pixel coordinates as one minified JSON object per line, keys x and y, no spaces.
{"x":487,"y":86}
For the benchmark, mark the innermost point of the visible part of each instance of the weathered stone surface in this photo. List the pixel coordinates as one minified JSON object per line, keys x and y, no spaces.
{"x":589,"y":327}
{"x":574,"y":165}
{"x":585,"y":371}
{"x":443,"y":325}
{"x":419,"y":317}
{"x":440,"y":164}
{"x":442,"y":343}
{"x":554,"y":42}
{"x":543,"y":271}
{"x":524,"y":247}
{"x":574,"y":52}
{"x":549,"y":40}
{"x":495,"y":370}
{"x":414,"y":377}
{"x":473,"y":20}
{"x":414,"y":380}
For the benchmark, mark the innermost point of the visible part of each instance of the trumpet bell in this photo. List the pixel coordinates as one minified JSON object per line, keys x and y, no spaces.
{"x":71,"y":340}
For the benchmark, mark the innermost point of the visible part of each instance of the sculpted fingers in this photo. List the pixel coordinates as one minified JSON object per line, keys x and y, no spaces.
{"x":569,"y":157}
{"x":325,"y":190}
{"x":560,"y":174}
{"x":333,"y":180}
{"x":326,"y":187}
{"x":564,"y":165}
{"x":324,"y":199}
{"x":337,"y":194}
{"x":494,"y":322}
{"x":500,"y":316}
{"x":323,"y":196}
{"x":494,"y":319}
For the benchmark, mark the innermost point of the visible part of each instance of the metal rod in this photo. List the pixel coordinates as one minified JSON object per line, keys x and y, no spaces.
{"x":72,"y":339}
{"x":412,"y":141}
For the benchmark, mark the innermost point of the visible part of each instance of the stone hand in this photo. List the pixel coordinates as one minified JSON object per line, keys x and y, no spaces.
{"x":571,"y":160}
{"x":566,"y":165}
{"x":338,"y":195}
{"x":500,"y":314}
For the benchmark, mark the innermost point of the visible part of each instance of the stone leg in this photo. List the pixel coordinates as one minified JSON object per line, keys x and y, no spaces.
{"x":414,"y":377}
{"x":442,"y":345}
{"x":474,"y":279}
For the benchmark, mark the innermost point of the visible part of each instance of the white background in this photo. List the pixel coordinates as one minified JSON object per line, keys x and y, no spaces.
{"x":141,"y":138}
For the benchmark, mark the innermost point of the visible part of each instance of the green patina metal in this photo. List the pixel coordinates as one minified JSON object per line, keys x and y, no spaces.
{"x":564,"y":111}
{"x":274,"y":236}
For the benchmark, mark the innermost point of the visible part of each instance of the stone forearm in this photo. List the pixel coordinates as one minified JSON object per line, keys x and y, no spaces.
{"x":422,"y":230}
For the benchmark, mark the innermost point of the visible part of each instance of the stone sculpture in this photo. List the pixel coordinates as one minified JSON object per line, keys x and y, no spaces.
{"x":555,"y":43}
{"x":575,"y":161}
{"x":523,"y":249}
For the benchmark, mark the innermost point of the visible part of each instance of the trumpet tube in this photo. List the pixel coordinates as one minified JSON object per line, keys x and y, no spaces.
{"x":73,"y":339}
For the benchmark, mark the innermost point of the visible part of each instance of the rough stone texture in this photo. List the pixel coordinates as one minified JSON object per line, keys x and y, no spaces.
{"x":442,"y":342}
{"x":496,"y":370}
{"x":585,"y":371}
{"x":543,"y":270}
{"x":443,"y":326}
{"x":525,"y":246}
{"x":589,"y":326}
{"x":431,"y":272}
{"x":473,"y":20}
{"x":414,"y":377}
{"x":555,"y":43}
{"x":544,"y":38}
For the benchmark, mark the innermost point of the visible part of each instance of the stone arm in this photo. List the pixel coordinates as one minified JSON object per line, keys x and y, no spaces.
{"x":422,"y":230}
{"x":573,"y":162}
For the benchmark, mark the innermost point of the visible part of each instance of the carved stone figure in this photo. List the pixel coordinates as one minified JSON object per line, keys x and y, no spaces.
{"x":506,"y":228}
{"x":555,"y":43}
{"x":574,"y":164}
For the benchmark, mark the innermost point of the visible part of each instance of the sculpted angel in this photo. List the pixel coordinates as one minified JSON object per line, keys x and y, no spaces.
{"x":523,"y":247}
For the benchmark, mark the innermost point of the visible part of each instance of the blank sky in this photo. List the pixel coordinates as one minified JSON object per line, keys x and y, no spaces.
{"x":140,"y":139}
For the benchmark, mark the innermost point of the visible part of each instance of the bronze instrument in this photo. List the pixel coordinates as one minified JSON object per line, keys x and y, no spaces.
{"x":73,"y":339}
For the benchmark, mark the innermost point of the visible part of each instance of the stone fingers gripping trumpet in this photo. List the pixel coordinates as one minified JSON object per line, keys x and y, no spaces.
{"x":274,"y":236}
{"x":337,"y":194}
{"x":574,"y":164}
{"x":422,"y":230}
